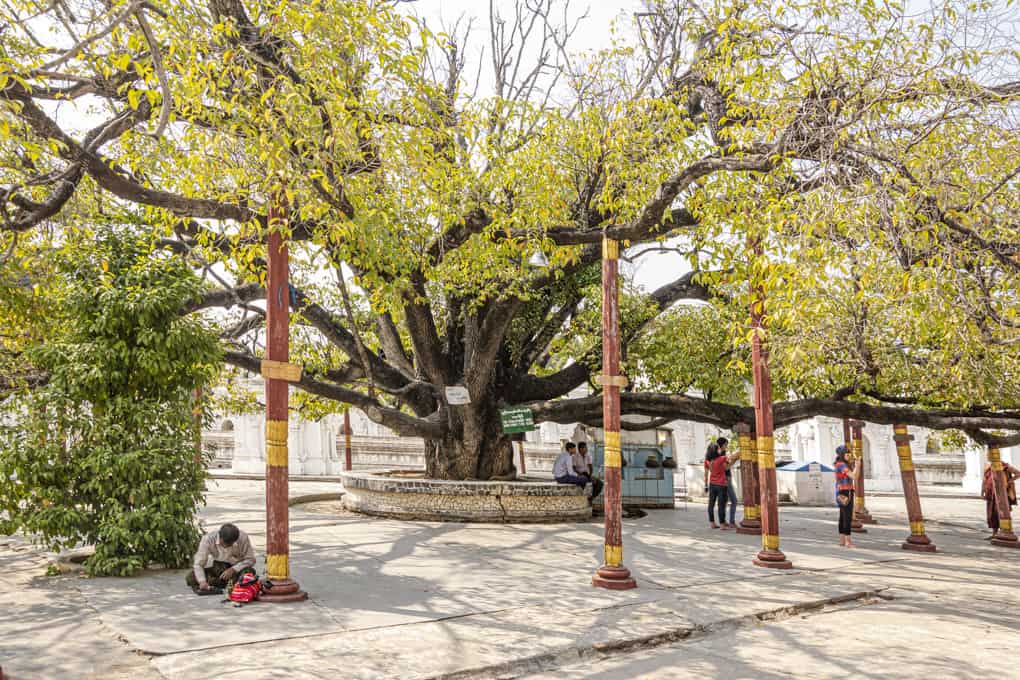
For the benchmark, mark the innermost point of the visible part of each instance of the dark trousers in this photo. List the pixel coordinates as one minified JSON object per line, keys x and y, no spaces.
{"x":846,"y":513}
{"x":596,"y":486}
{"x":731,"y":496}
{"x":572,"y":479}
{"x":717,"y":495}
{"x":212,"y":575}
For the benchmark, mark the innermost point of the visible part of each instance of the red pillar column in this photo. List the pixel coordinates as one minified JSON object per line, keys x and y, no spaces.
{"x":848,"y":441}
{"x":1005,"y":538}
{"x":770,"y":555}
{"x":275,"y":371}
{"x":348,"y":464}
{"x":612,"y":574}
{"x":918,"y":539}
{"x":861,"y":513}
{"x":751,"y":522}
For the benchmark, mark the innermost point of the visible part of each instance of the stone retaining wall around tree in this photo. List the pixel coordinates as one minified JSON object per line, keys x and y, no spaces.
{"x":415,"y":498}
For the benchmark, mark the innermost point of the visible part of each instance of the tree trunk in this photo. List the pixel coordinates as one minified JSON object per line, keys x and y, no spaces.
{"x":482,"y":451}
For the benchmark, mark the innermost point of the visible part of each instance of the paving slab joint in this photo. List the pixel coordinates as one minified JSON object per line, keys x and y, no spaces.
{"x":552,"y":660}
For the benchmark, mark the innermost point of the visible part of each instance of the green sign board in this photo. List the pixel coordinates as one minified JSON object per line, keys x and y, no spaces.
{"x":517,"y":420}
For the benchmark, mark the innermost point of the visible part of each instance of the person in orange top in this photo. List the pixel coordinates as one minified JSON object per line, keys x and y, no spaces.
{"x":845,"y":495}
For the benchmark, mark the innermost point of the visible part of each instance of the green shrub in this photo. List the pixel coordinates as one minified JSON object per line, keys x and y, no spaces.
{"x":105,"y":452}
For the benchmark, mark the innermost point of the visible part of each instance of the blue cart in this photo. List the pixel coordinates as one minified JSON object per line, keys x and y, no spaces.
{"x":642,"y":486}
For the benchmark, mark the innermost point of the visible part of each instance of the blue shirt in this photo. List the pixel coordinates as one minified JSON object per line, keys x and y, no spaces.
{"x":844,"y":482}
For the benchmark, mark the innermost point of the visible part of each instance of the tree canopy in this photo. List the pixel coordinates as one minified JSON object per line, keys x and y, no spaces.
{"x":866,"y":148}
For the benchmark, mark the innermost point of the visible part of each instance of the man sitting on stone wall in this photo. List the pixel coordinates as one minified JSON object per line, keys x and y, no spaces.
{"x":221,"y":555}
{"x":563,"y":468}
{"x":583,"y":467}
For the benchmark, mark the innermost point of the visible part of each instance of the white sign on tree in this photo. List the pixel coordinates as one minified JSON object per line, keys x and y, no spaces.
{"x":457,"y":395}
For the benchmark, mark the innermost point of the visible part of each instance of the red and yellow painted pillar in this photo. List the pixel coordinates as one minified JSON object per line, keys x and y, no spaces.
{"x":348,"y":454}
{"x":861,"y":513}
{"x":918,"y":539}
{"x":848,"y":441}
{"x":751,"y":522}
{"x":1005,"y":538}
{"x":277,"y":372}
{"x":770,"y":555}
{"x":612,"y":574}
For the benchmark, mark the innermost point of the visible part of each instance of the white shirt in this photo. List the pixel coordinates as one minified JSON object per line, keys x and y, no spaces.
{"x":564,"y":465}
{"x":239,"y":555}
{"x":581,"y":462}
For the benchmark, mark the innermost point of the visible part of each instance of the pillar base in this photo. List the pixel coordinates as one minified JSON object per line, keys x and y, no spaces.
{"x":613,"y":578}
{"x":864,"y":517}
{"x":772,"y":559}
{"x":857,"y":528}
{"x":283,"y":590}
{"x":919,"y":543}
{"x":1006,"y":540}
{"x":749,"y":526}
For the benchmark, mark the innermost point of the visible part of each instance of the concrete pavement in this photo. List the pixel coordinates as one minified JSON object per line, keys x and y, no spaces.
{"x":421,"y":600}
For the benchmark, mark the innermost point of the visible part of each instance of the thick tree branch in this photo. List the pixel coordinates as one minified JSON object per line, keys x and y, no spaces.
{"x":102,"y":170}
{"x":681,"y":407}
{"x":226,"y":297}
{"x":533,"y":388}
{"x":482,"y":355}
{"x":395,"y":419}
{"x":424,"y":335}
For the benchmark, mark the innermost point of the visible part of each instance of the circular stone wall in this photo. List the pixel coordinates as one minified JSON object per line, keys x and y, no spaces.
{"x":405,"y":496}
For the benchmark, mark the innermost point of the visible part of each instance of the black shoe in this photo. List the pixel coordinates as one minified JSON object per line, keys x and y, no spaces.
{"x":211,"y":591}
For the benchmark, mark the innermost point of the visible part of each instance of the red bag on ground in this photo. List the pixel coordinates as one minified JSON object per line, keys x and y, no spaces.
{"x":247,"y":589}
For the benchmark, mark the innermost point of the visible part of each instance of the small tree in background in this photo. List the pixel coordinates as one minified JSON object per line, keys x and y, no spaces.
{"x":104,"y":451}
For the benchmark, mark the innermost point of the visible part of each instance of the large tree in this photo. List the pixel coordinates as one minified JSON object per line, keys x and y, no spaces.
{"x":417,"y":190}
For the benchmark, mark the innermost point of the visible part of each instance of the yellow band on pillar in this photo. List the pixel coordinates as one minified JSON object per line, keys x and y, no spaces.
{"x":610,"y":249}
{"x":858,"y":502}
{"x":917,"y":528}
{"x":276,"y":443}
{"x":1006,"y":524}
{"x":906,"y":460}
{"x":276,"y":431}
{"x":752,"y":512}
{"x":613,"y":459}
{"x":766,"y":447}
{"x":770,"y":542}
{"x":746,"y":447}
{"x":278,"y":566}
{"x":611,"y":450}
{"x":614,"y":555}
{"x":276,"y":456}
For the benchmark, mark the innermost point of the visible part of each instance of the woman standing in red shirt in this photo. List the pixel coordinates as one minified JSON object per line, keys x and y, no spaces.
{"x":716,"y":462}
{"x":845,"y":495}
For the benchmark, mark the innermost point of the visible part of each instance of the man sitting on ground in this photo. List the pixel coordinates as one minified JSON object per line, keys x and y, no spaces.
{"x":221,"y":555}
{"x":584,"y":468}
{"x":563,"y":468}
